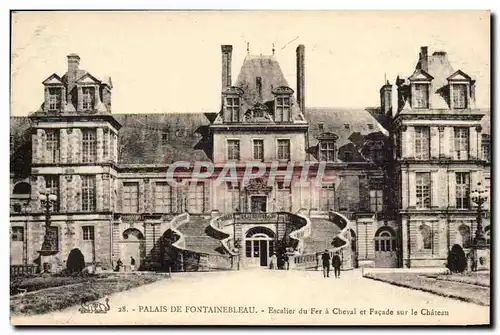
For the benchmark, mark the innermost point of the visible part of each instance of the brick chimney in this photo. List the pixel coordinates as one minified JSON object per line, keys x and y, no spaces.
{"x":424,"y":58}
{"x":300,"y":78}
{"x":227,"y":51}
{"x":73,"y":67}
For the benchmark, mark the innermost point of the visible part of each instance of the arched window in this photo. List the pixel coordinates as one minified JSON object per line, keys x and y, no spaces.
{"x":424,"y":237}
{"x":464,"y":237}
{"x":487,"y":232}
{"x":22,"y":188}
{"x":385,"y":239}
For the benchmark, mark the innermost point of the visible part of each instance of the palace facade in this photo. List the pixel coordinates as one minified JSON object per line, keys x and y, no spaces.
{"x":402,"y":173}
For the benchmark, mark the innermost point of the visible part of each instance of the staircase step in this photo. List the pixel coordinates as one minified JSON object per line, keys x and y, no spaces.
{"x":323,"y":233}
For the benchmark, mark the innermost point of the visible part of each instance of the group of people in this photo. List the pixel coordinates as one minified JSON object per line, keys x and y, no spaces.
{"x":119,"y":264}
{"x":336,"y":264}
{"x":284,"y":262}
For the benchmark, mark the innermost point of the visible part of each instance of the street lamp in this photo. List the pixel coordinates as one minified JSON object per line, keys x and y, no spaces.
{"x":479,"y":196}
{"x":48,"y":201}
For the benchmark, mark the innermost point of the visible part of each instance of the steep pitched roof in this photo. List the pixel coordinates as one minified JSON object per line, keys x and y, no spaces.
{"x":350,"y":125}
{"x":271,"y":77}
{"x":440,"y":68}
{"x":162,"y":138}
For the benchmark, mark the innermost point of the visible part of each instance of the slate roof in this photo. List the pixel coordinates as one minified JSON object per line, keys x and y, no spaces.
{"x":267,"y":68}
{"x":166,"y":138}
{"x":163,"y":138}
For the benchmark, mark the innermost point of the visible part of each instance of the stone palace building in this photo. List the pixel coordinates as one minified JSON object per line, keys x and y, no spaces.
{"x":402,"y":173}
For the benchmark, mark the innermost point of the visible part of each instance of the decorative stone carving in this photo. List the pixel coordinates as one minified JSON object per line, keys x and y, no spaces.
{"x":68,"y":177}
{"x":282,"y":90}
{"x":258,"y":186}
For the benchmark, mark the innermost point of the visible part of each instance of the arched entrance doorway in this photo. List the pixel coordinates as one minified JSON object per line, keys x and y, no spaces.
{"x":385,"y":248}
{"x":259,"y":246}
{"x":132,"y":245}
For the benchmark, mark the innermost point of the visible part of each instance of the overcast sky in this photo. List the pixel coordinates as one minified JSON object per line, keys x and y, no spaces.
{"x":171,"y":61}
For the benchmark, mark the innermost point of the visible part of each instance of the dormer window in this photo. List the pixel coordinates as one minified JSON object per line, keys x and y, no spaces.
{"x":420,"y":89}
{"x":459,"y":96}
{"x":282,"y":109}
{"x":421,"y":96}
{"x":327,"y":149}
{"x":282,"y":104}
{"x":232,"y":104}
{"x":54,"y":99}
{"x":88,"y":96}
{"x":461,"y":88}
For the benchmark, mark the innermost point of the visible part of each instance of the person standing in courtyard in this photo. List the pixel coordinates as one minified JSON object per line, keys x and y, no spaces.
{"x":132,"y":263}
{"x":286,"y":261}
{"x":336,"y":263}
{"x":273,"y":262}
{"x":326,"y":263}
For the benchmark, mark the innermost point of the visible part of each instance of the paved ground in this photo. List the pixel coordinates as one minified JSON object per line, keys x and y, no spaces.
{"x":271,"y":297}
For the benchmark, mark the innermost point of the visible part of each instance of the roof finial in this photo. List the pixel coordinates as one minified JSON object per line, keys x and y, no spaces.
{"x":273,"y":48}
{"x":248,"y":47}
{"x":385,"y":77}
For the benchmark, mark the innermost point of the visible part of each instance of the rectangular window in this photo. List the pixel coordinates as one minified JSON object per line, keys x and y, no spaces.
{"x":258,"y":150}
{"x":284,"y":149}
{"x":105,"y":144}
{"x":196,"y":198}
{"x":163,"y":197}
{"x":233,"y":190}
{"x":17,"y":234}
{"x":422,"y":143}
{"x":52,"y":187}
{"x":88,"y":194}
{"x":88,"y":98}
{"x":459,"y":96}
{"x":88,"y":233}
{"x":462,"y":189}
{"x":376,"y":200}
{"x":52,"y":145}
{"x":232,"y":109}
{"x":423,"y":189}
{"x":89,"y":145}
{"x":233,"y":149}
{"x":282,"y":109}
{"x":327,"y":198}
{"x":421,"y":96}
{"x":461,"y":143}
{"x":130,"y":200}
{"x":327,"y":151}
{"x":54,"y":99}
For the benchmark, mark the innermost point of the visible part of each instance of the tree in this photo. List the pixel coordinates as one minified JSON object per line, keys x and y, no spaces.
{"x":76,"y":261}
{"x":457,"y":262}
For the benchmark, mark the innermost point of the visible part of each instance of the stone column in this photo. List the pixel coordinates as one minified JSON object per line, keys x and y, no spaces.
{"x":473,"y":147}
{"x":99,"y":185}
{"x":452,"y":185}
{"x":436,"y":188}
{"x":434,"y":142}
{"x":63,"y":145}
{"x":409,"y":143}
{"x":412,"y":183}
{"x":46,"y":99}
{"x":404,"y":246}
{"x":366,"y":254}
{"x":99,"y":145}
{"x":80,"y":98}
